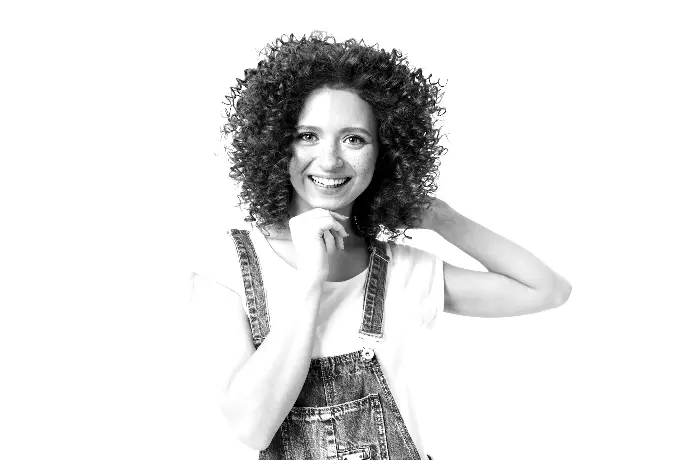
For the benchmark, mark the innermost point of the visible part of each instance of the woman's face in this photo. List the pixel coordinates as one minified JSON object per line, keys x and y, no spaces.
{"x":334,"y":151}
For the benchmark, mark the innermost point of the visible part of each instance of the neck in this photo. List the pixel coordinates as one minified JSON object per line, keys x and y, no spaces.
{"x":295,"y":210}
{"x":352,"y":241}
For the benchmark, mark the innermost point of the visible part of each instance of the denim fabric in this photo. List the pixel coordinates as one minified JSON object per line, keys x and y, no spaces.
{"x":253,"y":286}
{"x":345,"y":410}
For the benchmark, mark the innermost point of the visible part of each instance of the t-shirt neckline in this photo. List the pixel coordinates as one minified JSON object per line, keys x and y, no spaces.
{"x":269,"y":249}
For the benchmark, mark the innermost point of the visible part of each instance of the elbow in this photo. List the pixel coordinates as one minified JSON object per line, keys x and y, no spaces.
{"x":560,"y":292}
{"x":252,"y":441}
{"x":566,"y":293}
{"x":247,"y":431}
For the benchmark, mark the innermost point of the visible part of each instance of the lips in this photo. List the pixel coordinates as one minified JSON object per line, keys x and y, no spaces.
{"x":329,"y":182}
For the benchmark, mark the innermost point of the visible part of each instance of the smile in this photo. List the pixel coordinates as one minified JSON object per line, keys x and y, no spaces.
{"x":329,"y":183}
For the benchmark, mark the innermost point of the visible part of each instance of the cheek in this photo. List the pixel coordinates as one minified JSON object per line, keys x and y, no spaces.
{"x":366,"y":165}
{"x":295,"y":168}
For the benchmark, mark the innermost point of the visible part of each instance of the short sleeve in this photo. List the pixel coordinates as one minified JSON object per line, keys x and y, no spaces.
{"x":419,"y":274}
{"x":214,"y":258}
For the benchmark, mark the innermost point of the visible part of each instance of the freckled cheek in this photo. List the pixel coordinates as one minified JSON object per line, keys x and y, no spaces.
{"x":366,"y":165}
{"x":296,"y":167}
{"x":366,"y":172}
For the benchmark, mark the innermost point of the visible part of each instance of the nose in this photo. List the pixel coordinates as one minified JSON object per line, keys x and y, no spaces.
{"x":330,"y":156}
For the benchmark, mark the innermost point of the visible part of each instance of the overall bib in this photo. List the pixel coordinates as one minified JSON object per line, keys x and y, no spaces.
{"x":345,"y":410}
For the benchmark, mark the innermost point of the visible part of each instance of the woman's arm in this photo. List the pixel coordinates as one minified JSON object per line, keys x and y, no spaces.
{"x":267,"y":385}
{"x":517,"y":283}
{"x":264,"y":383}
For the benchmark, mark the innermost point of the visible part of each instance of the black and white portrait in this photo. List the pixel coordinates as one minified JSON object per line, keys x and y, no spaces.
{"x":355,"y":230}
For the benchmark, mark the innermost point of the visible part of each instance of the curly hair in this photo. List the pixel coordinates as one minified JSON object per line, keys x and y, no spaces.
{"x":265,"y":105}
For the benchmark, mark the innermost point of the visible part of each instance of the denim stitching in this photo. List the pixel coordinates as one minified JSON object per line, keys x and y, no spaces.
{"x":255,"y":294}
{"x":326,"y":383}
{"x":381,"y":424}
{"x":399,"y":423}
{"x":285,"y":441}
{"x":375,"y":292}
{"x":247,"y":282}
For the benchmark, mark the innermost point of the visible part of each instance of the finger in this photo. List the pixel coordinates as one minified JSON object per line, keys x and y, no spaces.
{"x":339,"y":240}
{"x":338,"y":216}
{"x":340,"y":229}
{"x":329,"y":241}
{"x":332,"y":224}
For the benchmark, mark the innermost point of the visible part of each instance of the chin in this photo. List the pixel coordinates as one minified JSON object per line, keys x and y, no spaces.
{"x":329,"y":205}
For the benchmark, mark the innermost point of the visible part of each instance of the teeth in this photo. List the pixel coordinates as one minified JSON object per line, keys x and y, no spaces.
{"x":328,"y":182}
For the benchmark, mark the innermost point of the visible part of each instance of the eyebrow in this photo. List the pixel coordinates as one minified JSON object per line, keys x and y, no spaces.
{"x":348,"y":129}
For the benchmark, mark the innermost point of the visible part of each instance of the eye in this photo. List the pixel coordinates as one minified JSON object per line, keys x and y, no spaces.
{"x":308,"y":137}
{"x":354,"y":140}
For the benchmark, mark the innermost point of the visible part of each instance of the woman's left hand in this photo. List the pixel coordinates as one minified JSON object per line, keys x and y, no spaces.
{"x":431,"y":217}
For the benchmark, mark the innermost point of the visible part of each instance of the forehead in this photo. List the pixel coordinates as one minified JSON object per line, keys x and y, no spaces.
{"x":335,"y":107}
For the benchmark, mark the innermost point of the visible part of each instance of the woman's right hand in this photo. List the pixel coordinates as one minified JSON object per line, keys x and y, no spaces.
{"x":316,"y":234}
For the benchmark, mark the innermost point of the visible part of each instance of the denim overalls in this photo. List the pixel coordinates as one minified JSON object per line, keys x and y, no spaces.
{"x":345,"y":410}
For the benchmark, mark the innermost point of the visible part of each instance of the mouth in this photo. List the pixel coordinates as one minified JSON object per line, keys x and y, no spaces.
{"x":323,"y":182}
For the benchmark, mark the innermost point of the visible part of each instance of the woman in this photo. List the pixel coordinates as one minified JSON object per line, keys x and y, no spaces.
{"x":334,"y":144}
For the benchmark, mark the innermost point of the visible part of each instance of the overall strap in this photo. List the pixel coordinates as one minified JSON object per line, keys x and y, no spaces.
{"x":374,"y":292}
{"x":253,"y":286}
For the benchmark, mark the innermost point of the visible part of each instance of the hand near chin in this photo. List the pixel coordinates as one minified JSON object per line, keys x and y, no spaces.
{"x":316,"y":234}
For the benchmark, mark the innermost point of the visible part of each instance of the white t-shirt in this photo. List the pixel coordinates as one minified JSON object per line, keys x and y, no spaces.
{"x":414,"y":300}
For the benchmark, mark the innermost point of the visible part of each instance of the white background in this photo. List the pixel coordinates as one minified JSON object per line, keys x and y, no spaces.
{"x":567,"y":129}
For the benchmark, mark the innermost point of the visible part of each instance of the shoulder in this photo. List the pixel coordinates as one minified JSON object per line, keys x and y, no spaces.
{"x":414,"y":263}
{"x":416,"y":276}
{"x":402,"y":253}
{"x":216,"y":258}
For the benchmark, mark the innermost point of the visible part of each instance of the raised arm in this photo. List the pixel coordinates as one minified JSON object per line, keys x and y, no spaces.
{"x":516,"y":283}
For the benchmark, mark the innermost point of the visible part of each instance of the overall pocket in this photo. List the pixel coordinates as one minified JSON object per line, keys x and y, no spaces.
{"x":350,"y":431}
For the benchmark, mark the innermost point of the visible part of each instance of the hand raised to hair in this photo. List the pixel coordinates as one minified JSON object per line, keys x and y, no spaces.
{"x":434,"y":215}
